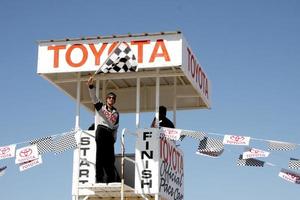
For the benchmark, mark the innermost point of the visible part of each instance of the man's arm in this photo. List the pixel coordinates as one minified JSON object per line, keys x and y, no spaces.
{"x":92,"y":90}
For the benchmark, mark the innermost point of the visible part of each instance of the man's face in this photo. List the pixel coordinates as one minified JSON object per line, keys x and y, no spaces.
{"x":110,"y":100}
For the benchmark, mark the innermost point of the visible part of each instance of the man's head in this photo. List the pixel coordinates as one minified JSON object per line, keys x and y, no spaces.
{"x":162,"y":111}
{"x":111,"y":98}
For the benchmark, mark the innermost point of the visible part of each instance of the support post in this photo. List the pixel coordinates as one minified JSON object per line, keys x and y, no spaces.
{"x":138,"y":103}
{"x":157,"y":101}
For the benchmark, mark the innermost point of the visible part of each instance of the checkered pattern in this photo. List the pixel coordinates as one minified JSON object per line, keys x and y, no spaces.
{"x":251,"y":162}
{"x":210,"y":154}
{"x":294,"y":163}
{"x":281,"y":146}
{"x":44,"y":144}
{"x":65,"y":142}
{"x":122,"y":59}
{"x":210,"y":146}
{"x":198,"y":135}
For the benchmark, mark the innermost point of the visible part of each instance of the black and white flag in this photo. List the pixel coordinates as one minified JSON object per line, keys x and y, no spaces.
{"x":251,"y":162}
{"x":210,"y":147}
{"x":294,"y":163}
{"x":44,"y":144}
{"x":121,"y":59}
{"x":65,"y":142}
{"x":198,"y":135}
{"x":281,"y":146}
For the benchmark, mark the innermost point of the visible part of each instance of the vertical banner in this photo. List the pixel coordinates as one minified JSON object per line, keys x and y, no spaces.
{"x":159,"y":165}
{"x":84,"y":163}
{"x":171,"y":173}
{"x":147,"y":161}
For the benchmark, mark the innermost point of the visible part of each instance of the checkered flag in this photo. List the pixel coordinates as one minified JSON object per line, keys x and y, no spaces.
{"x":121,"y":59}
{"x":65,"y":142}
{"x":44,"y":144}
{"x":198,"y":135}
{"x":251,"y":162}
{"x":281,"y":146}
{"x":210,"y":147}
{"x":294,"y":163}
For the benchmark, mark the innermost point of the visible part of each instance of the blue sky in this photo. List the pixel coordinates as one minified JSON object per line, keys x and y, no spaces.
{"x":250,"y":51}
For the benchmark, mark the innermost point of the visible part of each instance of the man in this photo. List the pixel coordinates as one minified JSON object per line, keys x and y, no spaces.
{"x":163,"y":120}
{"x":106,"y":134}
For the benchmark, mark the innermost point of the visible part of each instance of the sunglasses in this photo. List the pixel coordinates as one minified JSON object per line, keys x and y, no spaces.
{"x":111,"y":97}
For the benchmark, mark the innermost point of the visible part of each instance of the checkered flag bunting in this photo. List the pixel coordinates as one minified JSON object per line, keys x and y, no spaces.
{"x":294,"y":163}
{"x":65,"y":142}
{"x":44,"y":144}
{"x":120,"y":60}
{"x":251,"y":162}
{"x":281,"y":146}
{"x":210,"y":147}
{"x":198,"y":135}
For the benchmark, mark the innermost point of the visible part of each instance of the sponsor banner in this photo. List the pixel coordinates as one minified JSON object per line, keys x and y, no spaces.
{"x":236,"y":140}
{"x":7,"y":151}
{"x":171,"y":171}
{"x":195,"y":73}
{"x":147,"y":161}
{"x":30,"y":164}
{"x":27,"y":153}
{"x":255,"y":153}
{"x":171,"y":133}
{"x":88,"y":55}
{"x":289,"y":176}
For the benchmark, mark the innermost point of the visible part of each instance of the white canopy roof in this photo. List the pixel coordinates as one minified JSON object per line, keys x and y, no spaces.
{"x":163,"y":58}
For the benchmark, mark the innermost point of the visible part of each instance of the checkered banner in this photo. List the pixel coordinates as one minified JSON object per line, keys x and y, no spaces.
{"x":198,"y":135}
{"x":289,"y":176}
{"x":294,"y":163}
{"x":281,"y":146}
{"x":210,"y":147}
{"x":251,"y":162}
{"x":44,"y":144}
{"x":65,"y":142}
{"x":120,"y":60}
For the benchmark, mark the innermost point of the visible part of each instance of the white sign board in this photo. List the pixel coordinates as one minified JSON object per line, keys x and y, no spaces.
{"x":159,"y":165}
{"x":7,"y":151}
{"x":84,"y":163}
{"x":30,"y":164}
{"x":88,"y":55}
{"x":26,"y":154}
{"x":236,"y":140}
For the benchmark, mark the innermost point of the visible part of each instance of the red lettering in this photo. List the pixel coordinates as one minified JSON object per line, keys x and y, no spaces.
{"x":159,"y":44}
{"x":56,"y":54}
{"x":140,"y":45}
{"x":84,"y":55}
{"x":96,"y":53}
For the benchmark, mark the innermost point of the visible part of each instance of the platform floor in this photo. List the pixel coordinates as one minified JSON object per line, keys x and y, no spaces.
{"x":109,"y":191}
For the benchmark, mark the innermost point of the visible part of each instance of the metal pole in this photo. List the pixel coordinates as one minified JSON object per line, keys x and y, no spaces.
{"x":175,"y":101}
{"x":122,"y":162}
{"x":138,"y":99}
{"x":77,"y":118}
{"x":157,"y":101}
{"x":76,"y":154}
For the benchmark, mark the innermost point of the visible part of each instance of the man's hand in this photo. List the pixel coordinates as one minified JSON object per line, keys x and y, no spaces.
{"x":90,"y":81}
